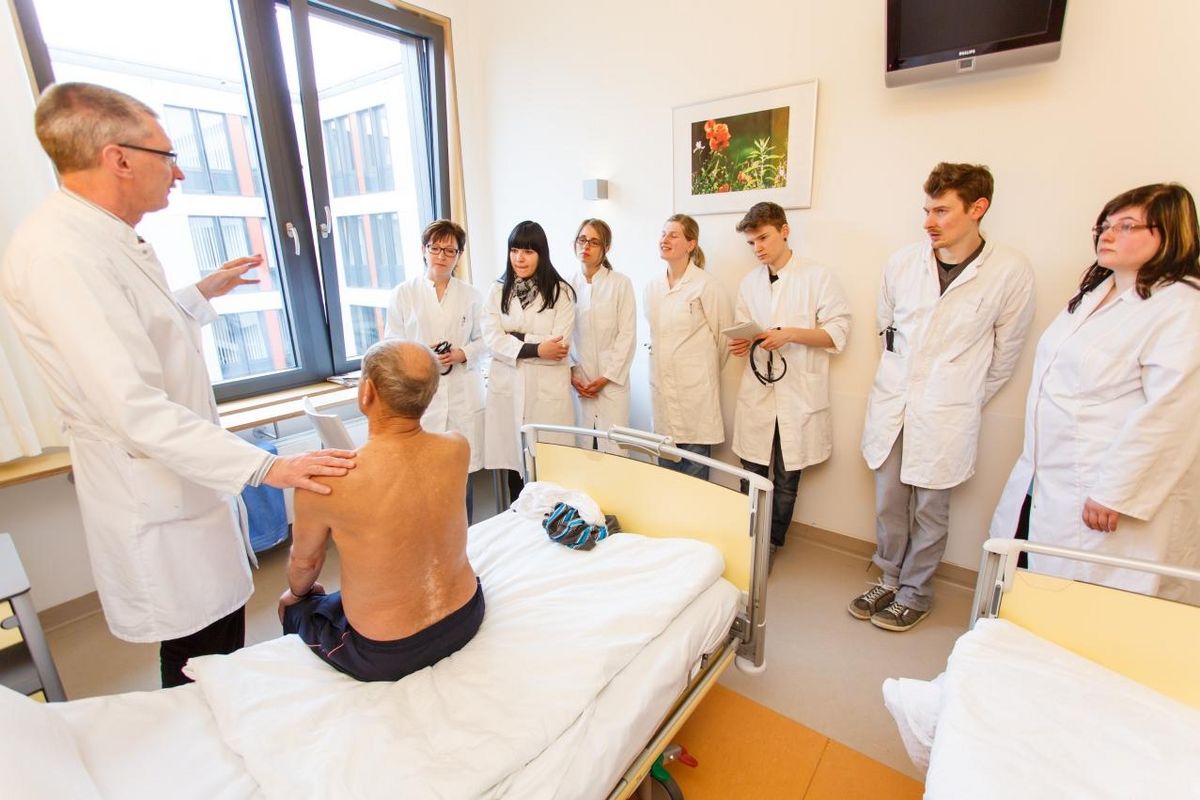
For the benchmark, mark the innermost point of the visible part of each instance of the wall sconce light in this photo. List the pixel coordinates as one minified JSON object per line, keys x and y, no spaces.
{"x":595,"y":189}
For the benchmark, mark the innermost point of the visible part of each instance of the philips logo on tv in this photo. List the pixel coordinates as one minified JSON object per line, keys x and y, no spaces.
{"x":970,"y":52}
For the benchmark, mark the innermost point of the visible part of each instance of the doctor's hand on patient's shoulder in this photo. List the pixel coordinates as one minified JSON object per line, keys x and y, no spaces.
{"x":298,"y":471}
{"x":554,"y":349}
{"x":739,"y":347}
{"x":1098,"y":517}
{"x":230,"y":276}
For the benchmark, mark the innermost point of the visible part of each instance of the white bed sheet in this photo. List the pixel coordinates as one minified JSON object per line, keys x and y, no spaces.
{"x":138,"y":743}
{"x":1022,"y":717}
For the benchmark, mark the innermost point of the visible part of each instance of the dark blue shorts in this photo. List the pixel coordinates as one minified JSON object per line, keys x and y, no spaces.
{"x":322,"y":625}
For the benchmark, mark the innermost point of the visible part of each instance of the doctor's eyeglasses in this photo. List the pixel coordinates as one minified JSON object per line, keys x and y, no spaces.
{"x":438,"y":250}
{"x":170,"y":155}
{"x":1121,"y":228}
{"x":583,"y":241}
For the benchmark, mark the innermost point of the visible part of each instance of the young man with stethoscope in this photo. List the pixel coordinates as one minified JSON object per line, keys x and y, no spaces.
{"x":782,"y":422}
{"x":952,"y":316}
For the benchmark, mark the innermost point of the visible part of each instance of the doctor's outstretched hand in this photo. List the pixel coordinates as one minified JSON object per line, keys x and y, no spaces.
{"x":298,"y":471}
{"x":230,"y":276}
{"x":1098,"y":517}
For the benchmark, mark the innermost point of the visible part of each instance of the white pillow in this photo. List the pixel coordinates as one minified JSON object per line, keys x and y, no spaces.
{"x":38,"y":756}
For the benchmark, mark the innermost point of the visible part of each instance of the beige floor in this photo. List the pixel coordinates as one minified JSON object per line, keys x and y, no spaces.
{"x":824,"y":668}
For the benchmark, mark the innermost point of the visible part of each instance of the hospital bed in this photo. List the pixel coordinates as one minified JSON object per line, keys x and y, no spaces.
{"x":1060,"y":689}
{"x":584,"y":669}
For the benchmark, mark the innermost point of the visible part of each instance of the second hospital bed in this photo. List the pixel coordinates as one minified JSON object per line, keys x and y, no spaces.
{"x":586,"y":665}
{"x":1060,"y":689}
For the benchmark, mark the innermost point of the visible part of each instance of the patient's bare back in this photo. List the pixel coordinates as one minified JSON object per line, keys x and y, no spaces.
{"x":400,"y":525}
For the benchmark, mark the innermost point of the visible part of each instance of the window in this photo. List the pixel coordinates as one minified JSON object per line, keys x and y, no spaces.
{"x":327,"y":165}
{"x":368,"y":326}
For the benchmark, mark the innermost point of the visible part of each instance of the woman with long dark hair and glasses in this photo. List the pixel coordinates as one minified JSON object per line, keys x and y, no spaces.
{"x":527,"y":322}
{"x":1112,"y":447}
{"x":605,"y":333}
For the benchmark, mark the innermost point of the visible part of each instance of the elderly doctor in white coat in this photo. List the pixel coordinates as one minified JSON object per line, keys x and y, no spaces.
{"x":688,"y":313}
{"x":782,"y":423}
{"x":527,"y":324}
{"x":605,"y":333}
{"x":440,"y":310}
{"x":953,"y":314}
{"x":156,"y":476}
{"x":1111,"y":461}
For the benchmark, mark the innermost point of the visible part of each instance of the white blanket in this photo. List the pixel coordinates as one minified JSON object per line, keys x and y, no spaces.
{"x":1022,"y":717}
{"x":559,"y":625}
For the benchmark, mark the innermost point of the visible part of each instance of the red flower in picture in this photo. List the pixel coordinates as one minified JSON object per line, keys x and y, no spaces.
{"x":718,"y":135}
{"x":724,"y":187}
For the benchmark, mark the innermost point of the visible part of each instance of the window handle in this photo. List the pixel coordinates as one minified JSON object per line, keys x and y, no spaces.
{"x":326,"y":226}
{"x":293,"y":235}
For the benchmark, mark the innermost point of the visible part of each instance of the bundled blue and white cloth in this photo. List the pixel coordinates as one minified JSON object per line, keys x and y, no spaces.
{"x":564,"y":525}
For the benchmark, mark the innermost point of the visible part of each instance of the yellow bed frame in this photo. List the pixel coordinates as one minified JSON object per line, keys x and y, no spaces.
{"x":658,"y":502}
{"x":1147,"y":639}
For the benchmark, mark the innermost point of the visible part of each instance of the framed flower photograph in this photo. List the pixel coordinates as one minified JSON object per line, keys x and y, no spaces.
{"x":732,"y":153}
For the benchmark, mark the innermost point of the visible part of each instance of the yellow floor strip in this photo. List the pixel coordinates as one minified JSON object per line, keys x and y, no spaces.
{"x":746,"y":750}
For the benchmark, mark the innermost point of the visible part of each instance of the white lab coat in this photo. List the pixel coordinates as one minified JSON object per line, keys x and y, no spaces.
{"x":524,"y":390}
{"x":687,"y":351}
{"x":416,"y":313}
{"x":156,"y":476}
{"x":1111,"y":415}
{"x":953,"y":352}
{"x":806,"y":295}
{"x":605,"y":335}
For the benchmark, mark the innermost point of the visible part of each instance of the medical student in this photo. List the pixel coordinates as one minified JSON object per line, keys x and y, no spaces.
{"x":1111,"y":461}
{"x":157,"y":477}
{"x":605,"y":333}
{"x":444,"y":312}
{"x":527,"y":324}
{"x":687,"y":312}
{"x":782,"y":423}
{"x":953,"y":313}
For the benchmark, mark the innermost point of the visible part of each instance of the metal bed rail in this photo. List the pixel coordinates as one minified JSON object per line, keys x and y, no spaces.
{"x":999,"y":564}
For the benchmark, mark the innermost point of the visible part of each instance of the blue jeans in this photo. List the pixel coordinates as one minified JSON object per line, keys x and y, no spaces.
{"x":690,"y":467}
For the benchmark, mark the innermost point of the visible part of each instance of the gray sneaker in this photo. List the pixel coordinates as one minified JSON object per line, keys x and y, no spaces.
{"x":870,"y":601}
{"x":897,"y":617}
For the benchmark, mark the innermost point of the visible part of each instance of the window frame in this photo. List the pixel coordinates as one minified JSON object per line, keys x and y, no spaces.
{"x":312,"y":296}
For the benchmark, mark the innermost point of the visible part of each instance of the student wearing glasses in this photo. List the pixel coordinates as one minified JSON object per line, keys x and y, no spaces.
{"x":1111,"y":461}
{"x":527,"y":323}
{"x":444,"y":312}
{"x":605,"y":332}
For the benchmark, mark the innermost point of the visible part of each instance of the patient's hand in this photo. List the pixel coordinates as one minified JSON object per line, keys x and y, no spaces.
{"x":288,"y":599}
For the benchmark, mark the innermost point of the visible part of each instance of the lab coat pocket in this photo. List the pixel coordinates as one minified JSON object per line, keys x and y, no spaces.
{"x":816,"y":391}
{"x":159,"y":491}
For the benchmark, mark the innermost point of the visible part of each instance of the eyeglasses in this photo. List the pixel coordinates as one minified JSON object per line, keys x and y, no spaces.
{"x":1123,"y":228}
{"x":438,"y":250}
{"x":583,"y":241}
{"x":171,"y":156}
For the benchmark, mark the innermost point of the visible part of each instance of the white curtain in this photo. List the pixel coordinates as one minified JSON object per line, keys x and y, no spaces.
{"x":29,"y":422}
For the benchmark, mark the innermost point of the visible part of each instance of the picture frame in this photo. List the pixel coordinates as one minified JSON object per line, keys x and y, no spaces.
{"x":731,"y":153}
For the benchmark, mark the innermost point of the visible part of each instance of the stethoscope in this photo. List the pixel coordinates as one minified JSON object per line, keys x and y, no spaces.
{"x":770,"y":377}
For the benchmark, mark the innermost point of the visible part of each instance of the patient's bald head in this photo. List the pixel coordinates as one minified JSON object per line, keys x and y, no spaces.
{"x":404,"y":374}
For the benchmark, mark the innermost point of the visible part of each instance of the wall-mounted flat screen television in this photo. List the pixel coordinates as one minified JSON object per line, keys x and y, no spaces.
{"x":932,"y":39}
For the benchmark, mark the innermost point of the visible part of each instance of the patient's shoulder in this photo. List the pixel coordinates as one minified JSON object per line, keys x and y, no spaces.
{"x":451,"y":444}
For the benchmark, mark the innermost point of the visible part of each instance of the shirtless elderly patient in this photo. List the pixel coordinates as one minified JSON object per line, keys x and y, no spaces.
{"x":409,"y":596}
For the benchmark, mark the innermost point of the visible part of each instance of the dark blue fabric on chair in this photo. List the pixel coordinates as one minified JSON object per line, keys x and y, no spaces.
{"x":266,"y":511}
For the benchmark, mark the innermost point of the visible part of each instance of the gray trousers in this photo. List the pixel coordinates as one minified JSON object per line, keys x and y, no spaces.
{"x":911,"y":528}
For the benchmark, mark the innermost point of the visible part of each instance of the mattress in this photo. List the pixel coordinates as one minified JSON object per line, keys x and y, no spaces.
{"x":228,"y":735}
{"x":1018,"y":716}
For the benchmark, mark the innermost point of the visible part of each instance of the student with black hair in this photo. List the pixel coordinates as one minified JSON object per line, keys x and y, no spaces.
{"x":527,"y":324}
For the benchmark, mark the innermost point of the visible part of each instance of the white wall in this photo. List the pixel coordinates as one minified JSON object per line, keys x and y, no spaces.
{"x":567,"y":92}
